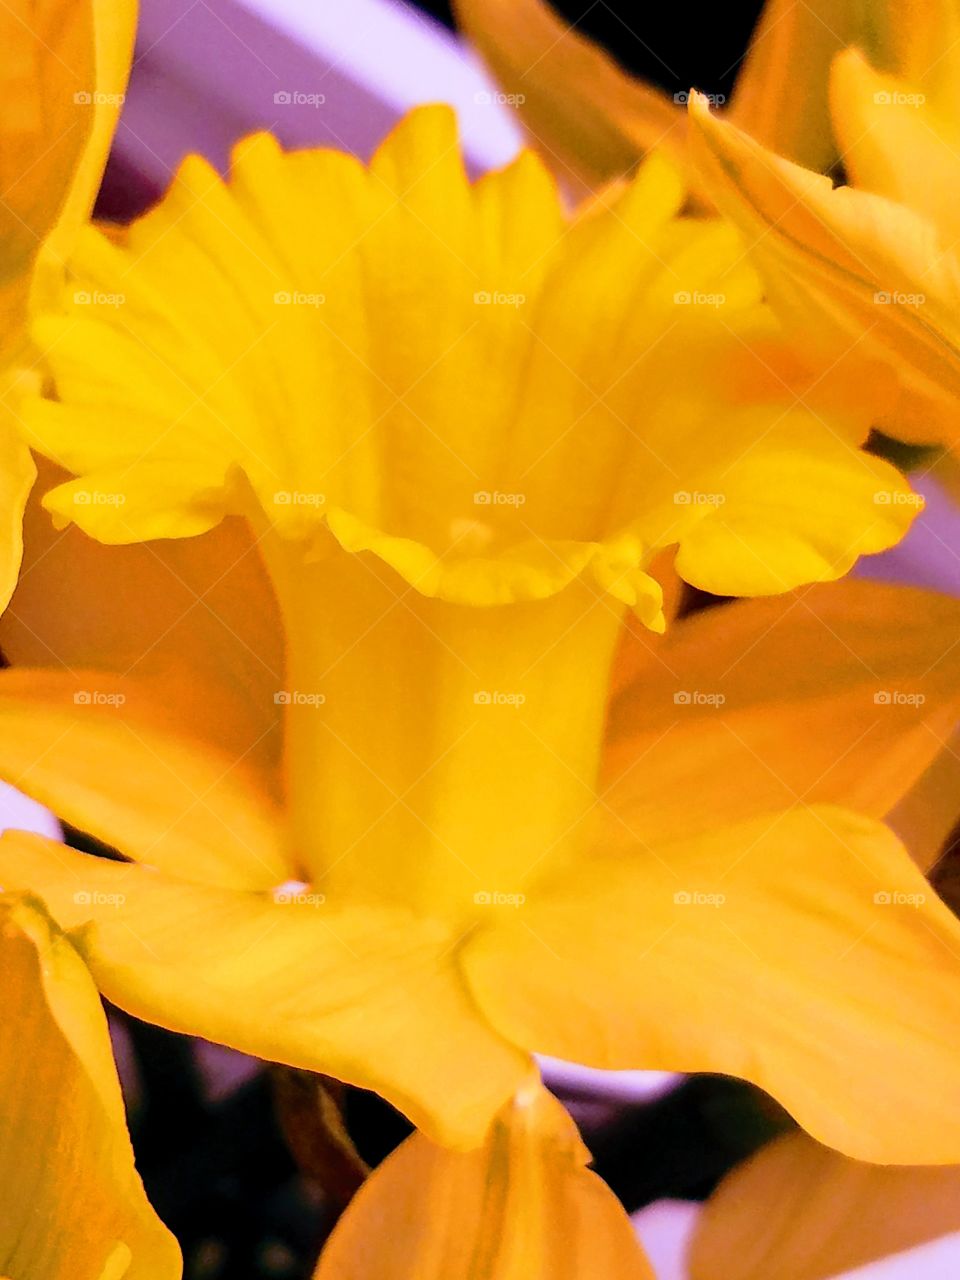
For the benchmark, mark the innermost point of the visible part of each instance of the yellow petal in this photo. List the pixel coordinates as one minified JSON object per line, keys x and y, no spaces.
{"x":799,"y":1211}
{"x":65,"y":72}
{"x":843,"y":694}
{"x":588,"y":118}
{"x":107,"y":754}
{"x":522,"y":1207}
{"x":790,"y":950}
{"x":781,"y":92}
{"x":918,"y":39}
{"x":356,"y":992}
{"x":73,"y":1205}
{"x":856,"y":278}
{"x":895,"y":141}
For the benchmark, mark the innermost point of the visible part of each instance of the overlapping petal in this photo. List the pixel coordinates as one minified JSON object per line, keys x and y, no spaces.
{"x":521,"y":1207}
{"x":64,"y":74}
{"x":781,"y":951}
{"x":855,"y":277}
{"x":73,"y":1205}
{"x":799,"y":1211}
{"x":110,"y":755}
{"x":352,"y":990}
{"x":841,"y":694}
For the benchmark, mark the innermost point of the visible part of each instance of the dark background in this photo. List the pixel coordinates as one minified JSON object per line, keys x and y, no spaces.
{"x":677,"y":46}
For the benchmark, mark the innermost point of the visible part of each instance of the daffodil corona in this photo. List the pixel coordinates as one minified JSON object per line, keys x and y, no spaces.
{"x":458,"y":427}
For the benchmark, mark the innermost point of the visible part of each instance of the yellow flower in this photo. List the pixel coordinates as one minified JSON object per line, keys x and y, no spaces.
{"x":523,"y":1206}
{"x":443,"y":871}
{"x":73,"y":1205}
{"x":64,"y":69}
{"x":798,"y":1211}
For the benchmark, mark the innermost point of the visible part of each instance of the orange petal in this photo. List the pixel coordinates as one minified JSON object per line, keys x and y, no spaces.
{"x":799,"y":1211}
{"x":109,"y":754}
{"x":588,"y":118}
{"x":790,"y":950}
{"x":369,"y":994}
{"x":843,"y":693}
{"x":521,"y":1207}
{"x":73,"y":1205}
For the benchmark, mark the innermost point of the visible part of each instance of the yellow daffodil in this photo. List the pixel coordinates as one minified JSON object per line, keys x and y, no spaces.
{"x":799,"y":1211}
{"x":73,"y":1206}
{"x":439,"y":435}
{"x":524,"y":1206}
{"x":64,"y":69}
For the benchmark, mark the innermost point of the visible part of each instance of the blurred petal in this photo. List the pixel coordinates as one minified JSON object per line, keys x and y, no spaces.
{"x":73,"y":1205}
{"x":854,"y":277}
{"x":799,"y":1211}
{"x":843,"y":694}
{"x":798,"y":948}
{"x":895,"y":142}
{"x":781,"y":92}
{"x":17,"y":473}
{"x":523,"y":1206}
{"x":926,"y":816}
{"x":371,"y":995}
{"x":590,"y":120}
{"x":109,"y":754}
{"x":65,"y":70}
